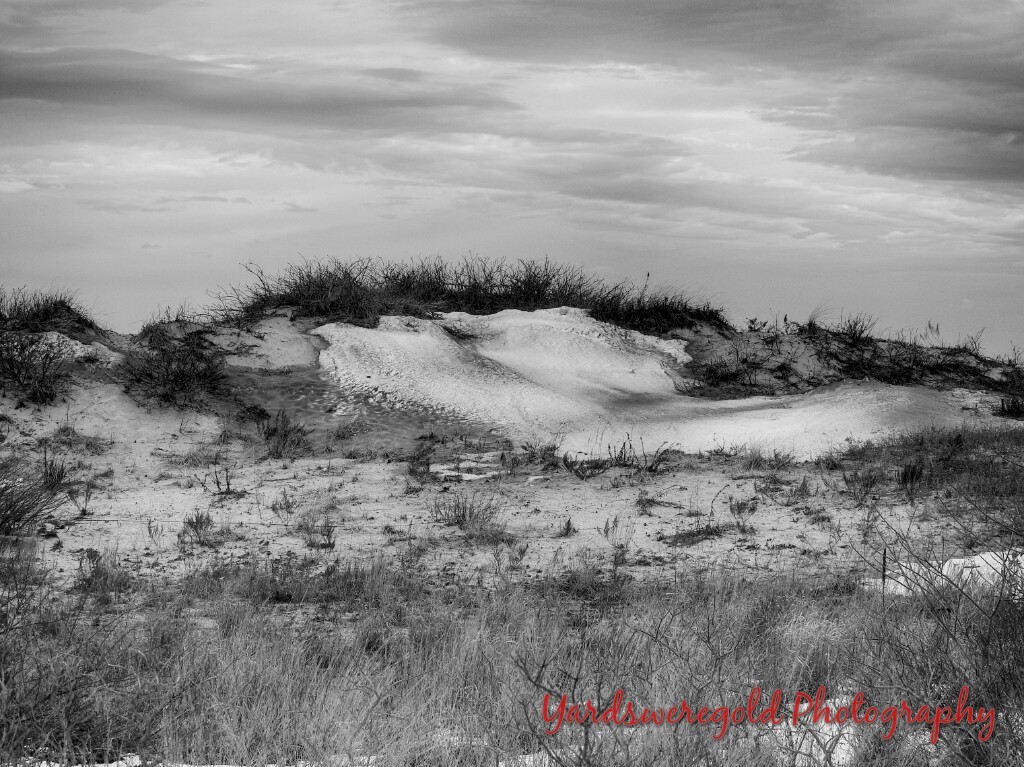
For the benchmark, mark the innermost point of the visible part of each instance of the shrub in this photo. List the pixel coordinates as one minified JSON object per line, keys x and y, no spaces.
{"x":317,"y":531}
{"x":197,"y":527}
{"x":181,"y":372}
{"x":718,"y":371}
{"x":741,"y":512}
{"x":35,"y":365}
{"x":285,"y":438}
{"x":545,"y":453}
{"x":102,"y":576}
{"x":1011,"y":407}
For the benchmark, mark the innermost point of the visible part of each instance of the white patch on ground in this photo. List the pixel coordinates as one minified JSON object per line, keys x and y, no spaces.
{"x":987,"y":571}
{"x":275,"y":342}
{"x":557,"y":371}
{"x":94,"y":353}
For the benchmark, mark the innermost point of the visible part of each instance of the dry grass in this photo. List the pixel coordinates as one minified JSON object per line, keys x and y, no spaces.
{"x":27,"y":494}
{"x":315,"y":657}
{"x":479,"y":516}
{"x":86,"y":681}
{"x":362,"y":291}
{"x":36,"y":311}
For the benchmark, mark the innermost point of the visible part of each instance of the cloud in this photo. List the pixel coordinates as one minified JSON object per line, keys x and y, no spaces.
{"x":925,"y":89}
{"x":150,"y":88}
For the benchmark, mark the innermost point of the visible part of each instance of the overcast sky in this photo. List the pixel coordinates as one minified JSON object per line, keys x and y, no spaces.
{"x":863,"y":155}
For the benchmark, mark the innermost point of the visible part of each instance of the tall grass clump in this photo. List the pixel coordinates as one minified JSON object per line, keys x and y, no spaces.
{"x":361,"y":291}
{"x":37,"y":311}
{"x":478,"y":516}
{"x":27,"y":496}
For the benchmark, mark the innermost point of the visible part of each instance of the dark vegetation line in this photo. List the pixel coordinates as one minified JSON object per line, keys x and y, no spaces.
{"x":37,"y":311}
{"x":362,"y":291}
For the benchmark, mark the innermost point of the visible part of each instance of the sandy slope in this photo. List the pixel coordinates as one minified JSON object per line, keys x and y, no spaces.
{"x":557,"y":370}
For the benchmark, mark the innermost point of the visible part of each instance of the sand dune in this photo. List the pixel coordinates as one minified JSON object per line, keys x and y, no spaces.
{"x":535,"y":374}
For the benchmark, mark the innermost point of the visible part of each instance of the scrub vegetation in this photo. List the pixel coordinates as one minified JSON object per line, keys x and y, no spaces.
{"x":318,"y":656}
{"x":290,"y":621}
{"x":362,"y":291}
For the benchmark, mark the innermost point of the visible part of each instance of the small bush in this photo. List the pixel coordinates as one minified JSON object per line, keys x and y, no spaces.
{"x":545,"y":453}
{"x":861,"y":484}
{"x":284,"y":506}
{"x":196,"y":528}
{"x":317,"y":531}
{"x":718,"y":371}
{"x":285,"y":438}
{"x":742,"y":511}
{"x":1011,"y":407}
{"x":180,"y":372}
{"x":102,"y":576}
{"x":34,"y":365}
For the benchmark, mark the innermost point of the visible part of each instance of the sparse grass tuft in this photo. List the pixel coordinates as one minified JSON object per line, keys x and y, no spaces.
{"x":696,"y":534}
{"x":856,"y":329}
{"x":586,"y":468}
{"x":67,"y":436}
{"x":317,"y":530}
{"x":479,"y":517}
{"x":756,"y":459}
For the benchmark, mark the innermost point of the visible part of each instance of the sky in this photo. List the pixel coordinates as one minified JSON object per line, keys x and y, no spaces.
{"x":772,"y":156}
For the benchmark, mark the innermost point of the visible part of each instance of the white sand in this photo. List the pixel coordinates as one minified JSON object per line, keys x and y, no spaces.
{"x":558,"y":371}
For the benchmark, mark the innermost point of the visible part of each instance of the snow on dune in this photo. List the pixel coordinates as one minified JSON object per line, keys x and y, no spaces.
{"x":539,"y":373}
